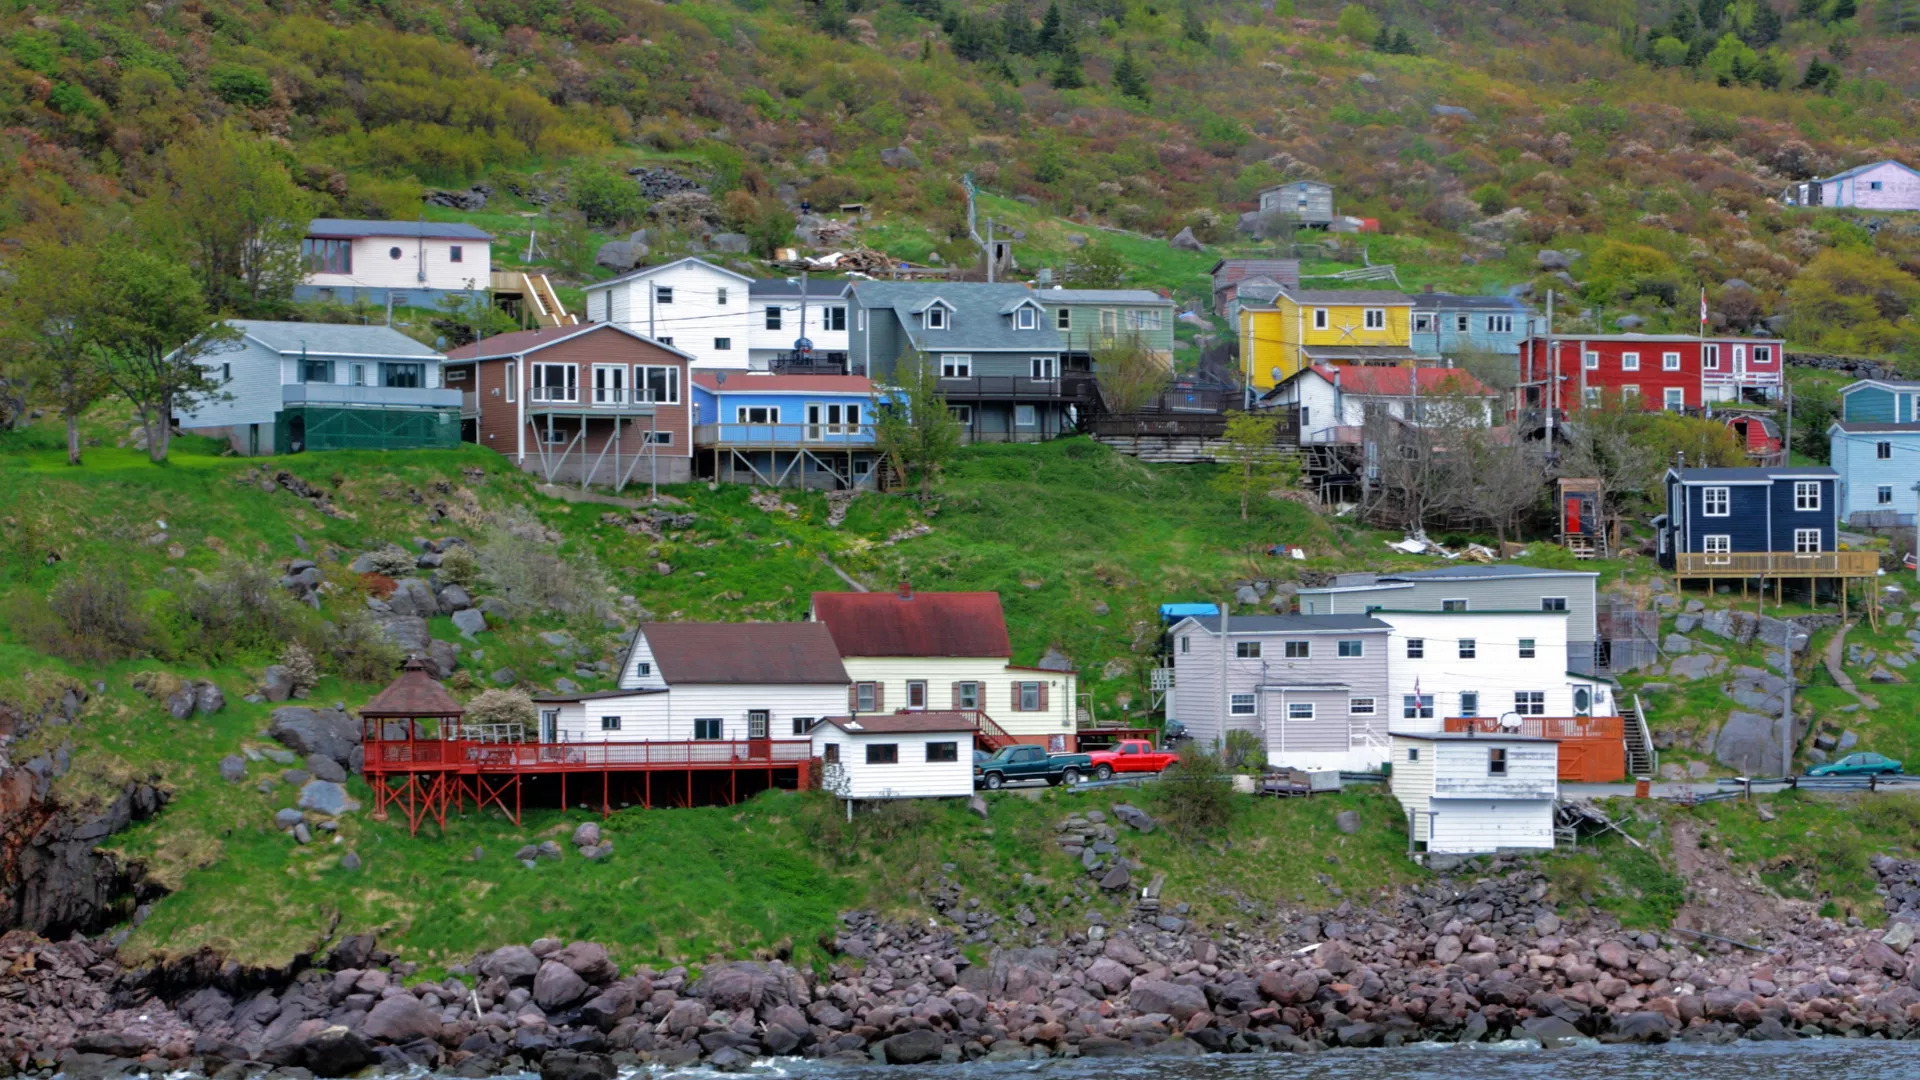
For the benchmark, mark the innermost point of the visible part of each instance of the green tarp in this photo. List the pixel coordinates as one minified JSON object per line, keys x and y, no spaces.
{"x":311,"y":428}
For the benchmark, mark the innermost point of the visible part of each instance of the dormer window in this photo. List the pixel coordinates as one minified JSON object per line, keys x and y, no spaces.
{"x":936,"y":318}
{"x":1023,"y":318}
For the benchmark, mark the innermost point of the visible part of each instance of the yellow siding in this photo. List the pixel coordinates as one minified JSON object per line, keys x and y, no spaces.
{"x":1271,"y":338}
{"x":994,"y":677}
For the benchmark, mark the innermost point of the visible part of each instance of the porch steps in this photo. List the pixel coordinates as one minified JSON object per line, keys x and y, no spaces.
{"x":546,"y":307}
{"x":1642,"y":758}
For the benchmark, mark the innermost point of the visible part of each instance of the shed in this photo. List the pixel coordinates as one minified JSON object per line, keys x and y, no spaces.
{"x":1469,"y":793}
{"x":906,"y":755}
{"x":1308,"y":201}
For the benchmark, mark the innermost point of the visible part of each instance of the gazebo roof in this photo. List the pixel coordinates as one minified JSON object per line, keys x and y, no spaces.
{"x":414,"y":695}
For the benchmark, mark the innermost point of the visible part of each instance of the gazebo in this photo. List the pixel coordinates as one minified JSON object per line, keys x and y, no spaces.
{"x":425,"y":763}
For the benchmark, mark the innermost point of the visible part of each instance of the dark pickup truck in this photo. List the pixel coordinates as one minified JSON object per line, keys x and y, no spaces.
{"x":1031,"y":763}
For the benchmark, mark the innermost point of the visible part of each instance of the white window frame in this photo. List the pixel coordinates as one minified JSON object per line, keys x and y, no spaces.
{"x":1718,"y":547}
{"x":757,"y":415}
{"x":1373,"y":318}
{"x":1469,"y":649}
{"x":1591,"y":360}
{"x":1043,"y":367}
{"x":1416,"y":648}
{"x":1673,"y":398}
{"x":1530,"y":702}
{"x":1351,"y":649}
{"x":1806,"y":542}
{"x":1294,"y":710}
{"x":723,"y":344}
{"x":569,"y":383}
{"x":1454,"y":603}
{"x":1422,"y":322}
{"x":1023,"y":318}
{"x":1462,"y":322}
{"x":1629,"y":361}
{"x":1806,"y":496}
{"x":1500,"y":324}
{"x":643,"y":383}
{"x":833,"y":319}
{"x":610,"y":394}
{"x":1709,"y":496}
{"x":1243,"y":704}
{"x":1361,"y":706}
{"x":1631,"y":390}
{"x":1529,"y":648}
{"x":1883,"y":495}
{"x":1319,"y":318}
{"x":1546,"y":601}
{"x":935,"y":318}
{"x":1671,"y":361}
{"x":956,"y":365}
{"x":1063,"y":319}
{"x":1416,"y":706}
{"x":663,"y":294}
{"x":1026,"y":416}
{"x":776,"y":317}
{"x":1469,"y":708}
{"x":962,"y":414}
{"x":513,"y":380}
{"x":1297,"y":650}
{"x":1762,"y":354}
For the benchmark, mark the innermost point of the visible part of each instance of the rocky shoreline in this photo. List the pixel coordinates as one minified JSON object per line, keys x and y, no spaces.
{"x":1480,"y":955}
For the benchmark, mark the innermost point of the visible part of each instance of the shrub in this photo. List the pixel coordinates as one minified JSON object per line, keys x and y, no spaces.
{"x":391,"y":560}
{"x":378,"y":586}
{"x":605,"y":197}
{"x":238,"y":84}
{"x":460,"y":566}
{"x":240,"y":607}
{"x":518,"y":562}
{"x":1244,"y":752}
{"x":358,"y":649}
{"x":90,"y":617}
{"x":1196,"y":795}
{"x":512,"y":708}
{"x":1357,"y":24}
{"x":298,"y":662}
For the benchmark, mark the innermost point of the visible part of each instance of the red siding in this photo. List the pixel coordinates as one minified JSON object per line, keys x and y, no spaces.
{"x":498,"y":415}
{"x":1613,"y":378}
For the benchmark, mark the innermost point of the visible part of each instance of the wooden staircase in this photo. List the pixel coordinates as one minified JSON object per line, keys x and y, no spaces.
{"x":1642,"y":758}
{"x":545,"y":304}
{"x":991,"y":736}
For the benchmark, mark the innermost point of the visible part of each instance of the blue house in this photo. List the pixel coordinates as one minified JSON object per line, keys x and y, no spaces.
{"x":1446,"y":324}
{"x":1878,"y":464}
{"x":1881,"y":401}
{"x":804,"y":431}
{"x":1788,"y":512}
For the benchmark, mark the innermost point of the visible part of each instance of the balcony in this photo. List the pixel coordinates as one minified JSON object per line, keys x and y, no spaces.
{"x":1075,"y":386}
{"x":390,"y":397}
{"x":612,"y":401}
{"x":1542,"y":727}
{"x":784,"y":436}
{"x":1777,"y":564}
{"x":810,"y":364}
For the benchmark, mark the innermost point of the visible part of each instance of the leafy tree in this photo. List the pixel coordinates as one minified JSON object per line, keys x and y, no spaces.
{"x":1357,"y":24}
{"x":1067,"y":73}
{"x":605,"y":196}
{"x":1053,"y":33}
{"x":1129,"y":77}
{"x":1731,"y":62}
{"x":1255,"y":466}
{"x":1900,"y":16}
{"x":233,"y":210}
{"x":1771,"y":71}
{"x":1095,"y":266}
{"x":912,"y":426}
{"x":1668,"y":52}
{"x":830,"y":18}
{"x":1809,"y":9}
{"x":771,"y":230}
{"x":155,"y":329}
{"x":53,"y":315}
{"x":1854,"y":302}
{"x":1192,"y":26}
{"x":238,"y":84}
{"x":1130,"y":376}
{"x":1620,"y":271}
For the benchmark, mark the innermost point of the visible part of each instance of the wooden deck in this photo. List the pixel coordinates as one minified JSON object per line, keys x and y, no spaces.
{"x":1777,"y":564}
{"x":1593,"y":749}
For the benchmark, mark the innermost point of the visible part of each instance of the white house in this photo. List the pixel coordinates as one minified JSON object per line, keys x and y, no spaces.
{"x":292,"y":386}
{"x":703,"y":310}
{"x":926,"y":755}
{"x":1335,"y":401}
{"x":411,"y":263}
{"x":1471,"y":794}
{"x":708,"y":682}
{"x":782,"y":316}
{"x":1461,"y":663}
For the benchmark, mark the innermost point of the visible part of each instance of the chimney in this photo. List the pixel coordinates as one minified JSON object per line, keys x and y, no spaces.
{"x":1682,"y":459}
{"x":1428,"y":289}
{"x":906,"y":589}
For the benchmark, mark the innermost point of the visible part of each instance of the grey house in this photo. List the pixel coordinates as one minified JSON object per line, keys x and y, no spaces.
{"x":1313,"y":688}
{"x":1308,"y":201}
{"x":1003,"y":364}
{"x":1473,"y":588}
{"x":291,"y":386}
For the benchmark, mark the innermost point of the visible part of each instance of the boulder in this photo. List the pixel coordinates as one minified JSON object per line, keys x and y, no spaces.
{"x":233,"y":768}
{"x":620,"y":256}
{"x":442,"y":659}
{"x":409,"y":632}
{"x":589,"y":961}
{"x":730,"y":243}
{"x":899,"y":157}
{"x":513,"y":963}
{"x":321,"y":767}
{"x":1109,"y":975}
{"x":207,"y":698}
{"x":455,"y":598}
{"x":330,"y":733}
{"x":1184,"y":240}
{"x":276,"y":683}
{"x":1749,"y":743}
{"x":326,"y":797}
{"x":1676,"y":644}
{"x":556,"y":986}
{"x":470,"y":621}
{"x":912,"y":1047}
{"x":1347,"y":821}
{"x":337,"y":1051}
{"x":413,"y":596}
{"x":587,"y":833}
{"x":1549,"y":259}
{"x":1177,"y":1000}
{"x":746,"y":984}
{"x":1552,"y":1031}
{"x":575,"y":1065}
{"x":400,"y":1019}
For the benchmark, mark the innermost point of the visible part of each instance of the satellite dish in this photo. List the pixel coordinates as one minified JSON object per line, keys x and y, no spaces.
{"x":720,"y":378}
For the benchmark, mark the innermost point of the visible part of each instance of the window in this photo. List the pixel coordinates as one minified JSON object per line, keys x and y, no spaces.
{"x":1527,"y":650}
{"x":1240,"y":705}
{"x":1375,"y":318}
{"x":1630,"y":361}
{"x":707,"y":730}
{"x":1469,"y":703}
{"x":664,"y":339}
{"x":1874,"y":185}
{"x":936,"y":318}
{"x":1806,"y":541}
{"x":1043,"y":367}
{"x":1360,"y":706}
{"x":722,"y":344}
{"x":962,"y":414}
{"x":1351,"y":649}
{"x":1806,"y":495}
{"x":1496,"y":761}
{"x":1320,"y":318}
{"x":1025,"y":416}
{"x":1591,"y":360}
{"x":916,"y":693}
{"x":833,"y":318}
{"x":1298,"y":650}
{"x":407,"y":376}
{"x":757,"y":414}
{"x":1671,"y":361}
{"x":656,"y":438}
{"x":226,"y":372}
{"x":454,"y":254}
{"x":1462,"y":323}
{"x":1500,"y":324}
{"x":609,"y":723}
{"x":885,"y":753}
{"x":1714,"y":501}
{"x":1416,"y":648}
{"x":1023,"y":319}
{"x":1884,"y":495}
{"x":1145,"y":320}
{"x":1186,"y":643}
{"x":830,"y":753}
{"x":866,"y":697}
{"x":1422,"y":322}
{"x":316,"y":371}
{"x":1883,"y":451}
{"x":1416,"y":707}
{"x":802,"y":724}
{"x":556,"y":382}
{"x":943,"y":751}
{"x":609,"y":384}
{"x":1029,"y":697}
{"x":393,"y":253}
{"x":327,"y":256}
{"x":660,"y":381}
{"x":1299,"y":710}
{"x":1629,"y":393}
{"x":1453,"y":605}
{"x":663,"y":294}
{"x":1717,"y":544}
{"x":720,"y":296}
{"x":1063,"y":319}
{"x":1247,"y":650}
{"x":1468,"y":648}
{"x":357,"y":374}
{"x":956,"y":366}
{"x":966,"y":695}
{"x":513,"y":379}
{"x":1530,"y":702}
{"x":774,"y":317}
{"x":1413,"y":753}
{"x":1553,"y":603}
{"x":1762,"y":355}
{"x":1583,"y":701}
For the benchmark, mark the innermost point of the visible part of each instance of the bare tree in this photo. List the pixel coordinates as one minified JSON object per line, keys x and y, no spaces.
{"x":1607,"y":445}
{"x":1131,"y":377}
{"x":1503,"y":478}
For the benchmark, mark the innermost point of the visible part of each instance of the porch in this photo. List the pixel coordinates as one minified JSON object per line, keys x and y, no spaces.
{"x":1593,"y":749}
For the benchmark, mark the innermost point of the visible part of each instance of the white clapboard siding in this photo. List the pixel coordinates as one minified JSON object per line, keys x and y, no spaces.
{"x":911,"y":777}
{"x":1470,"y":826}
{"x":641,"y":671}
{"x":670,"y":716}
{"x":1446,"y":785}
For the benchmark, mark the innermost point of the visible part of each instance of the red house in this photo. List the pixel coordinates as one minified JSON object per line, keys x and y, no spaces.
{"x":1661,"y":371}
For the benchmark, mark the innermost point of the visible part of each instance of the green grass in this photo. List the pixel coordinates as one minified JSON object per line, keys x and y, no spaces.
{"x":1635,"y":885}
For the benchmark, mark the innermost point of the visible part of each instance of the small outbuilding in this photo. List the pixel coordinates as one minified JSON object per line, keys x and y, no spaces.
{"x":906,"y":755}
{"x":1470,"y":793}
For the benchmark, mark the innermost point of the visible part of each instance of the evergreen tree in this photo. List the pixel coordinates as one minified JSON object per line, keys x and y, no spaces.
{"x":1052,"y":30}
{"x":973,"y":41}
{"x":1764,"y":30}
{"x":1809,"y":9}
{"x":1015,"y":29}
{"x":1819,"y":75}
{"x":1192,"y":26}
{"x":1383,"y":41}
{"x":1683,"y":25}
{"x":1129,"y":77}
{"x":1844,"y":10}
{"x":1712,"y":12}
{"x":1402,"y":44}
{"x":1900,"y":16}
{"x":1067,"y":74}
{"x":1769,"y":73}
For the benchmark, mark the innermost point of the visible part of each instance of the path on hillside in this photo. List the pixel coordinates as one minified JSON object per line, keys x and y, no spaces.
{"x":1835,"y":650}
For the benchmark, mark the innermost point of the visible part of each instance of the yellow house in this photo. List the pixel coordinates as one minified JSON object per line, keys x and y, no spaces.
{"x":1334,"y":326}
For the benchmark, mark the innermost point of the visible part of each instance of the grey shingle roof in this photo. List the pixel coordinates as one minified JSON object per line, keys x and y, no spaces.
{"x":1450,"y":301}
{"x":1497,"y":571}
{"x":1291,"y":624}
{"x":1348,"y":296}
{"x":1101,"y":296}
{"x":977,"y":324}
{"x":1753,"y":473}
{"x":332,"y":339}
{"x":1856,"y":427}
{"x":350,"y":228}
{"x":827,"y":288}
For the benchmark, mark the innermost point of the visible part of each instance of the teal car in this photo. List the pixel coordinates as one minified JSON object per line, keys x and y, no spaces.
{"x":1863,"y":764}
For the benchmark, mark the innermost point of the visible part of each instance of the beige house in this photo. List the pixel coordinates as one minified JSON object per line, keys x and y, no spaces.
{"x":908,"y":652}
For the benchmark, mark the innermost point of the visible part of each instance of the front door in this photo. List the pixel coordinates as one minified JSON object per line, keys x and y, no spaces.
{"x":758,"y":745}
{"x":609,"y":385}
{"x":549,"y":725}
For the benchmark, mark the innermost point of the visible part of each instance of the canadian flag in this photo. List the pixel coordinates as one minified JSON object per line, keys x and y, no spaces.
{"x":1703,"y":309}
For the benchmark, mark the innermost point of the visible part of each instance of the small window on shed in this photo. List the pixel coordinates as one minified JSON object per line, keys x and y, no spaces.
{"x":1496,"y":761}
{"x":1413,"y":753}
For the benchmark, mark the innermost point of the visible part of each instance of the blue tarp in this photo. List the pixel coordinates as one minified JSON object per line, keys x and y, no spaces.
{"x":1176,"y":612}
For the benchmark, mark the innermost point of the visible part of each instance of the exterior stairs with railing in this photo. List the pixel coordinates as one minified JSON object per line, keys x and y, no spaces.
{"x":1642,"y":758}
{"x":992,"y":737}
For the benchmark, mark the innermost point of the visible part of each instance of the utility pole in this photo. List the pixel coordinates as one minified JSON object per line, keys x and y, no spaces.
{"x":1786,"y":444}
{"x":1553,"y":371}
{"x":650,"y":294}
{"x":990,"y":252}
{"x":800,"y":346}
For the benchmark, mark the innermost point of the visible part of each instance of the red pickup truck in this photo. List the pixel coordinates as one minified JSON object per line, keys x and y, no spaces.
{"x":1130,"y":756}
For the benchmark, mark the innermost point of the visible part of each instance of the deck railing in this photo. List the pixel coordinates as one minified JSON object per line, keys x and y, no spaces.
{"x":784,"y":436}
{"x":1543,"y":727}
{"x":1777,"y":564}
{"x":538,"y":757}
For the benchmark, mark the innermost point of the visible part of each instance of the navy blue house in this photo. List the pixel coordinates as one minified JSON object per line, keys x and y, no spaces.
{"x":1792,"y":510}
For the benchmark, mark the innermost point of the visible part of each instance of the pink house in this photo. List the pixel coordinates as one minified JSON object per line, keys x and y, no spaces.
{"x":1883,"y":185}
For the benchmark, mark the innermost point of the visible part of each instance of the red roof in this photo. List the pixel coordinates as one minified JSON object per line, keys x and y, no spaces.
{"x":917,"y":624}
{"x":746,"y":382}
{"x":413,"y":695}
{"x":1393,"y":381}
{"x":783,"y":653}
